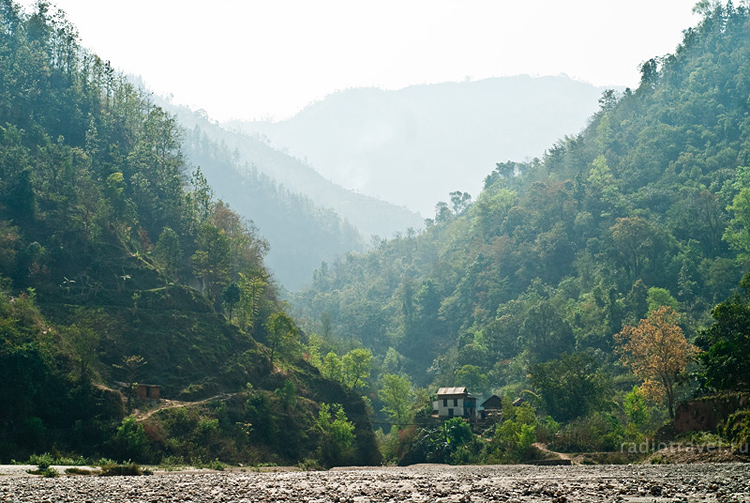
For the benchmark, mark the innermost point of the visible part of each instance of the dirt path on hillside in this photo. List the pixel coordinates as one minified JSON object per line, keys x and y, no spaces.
{"x":142,"y":415}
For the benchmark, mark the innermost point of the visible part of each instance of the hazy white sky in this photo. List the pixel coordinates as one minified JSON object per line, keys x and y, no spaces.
{"x":249,"y":59}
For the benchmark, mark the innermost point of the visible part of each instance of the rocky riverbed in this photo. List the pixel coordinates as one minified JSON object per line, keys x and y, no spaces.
{"x":424,"y":483}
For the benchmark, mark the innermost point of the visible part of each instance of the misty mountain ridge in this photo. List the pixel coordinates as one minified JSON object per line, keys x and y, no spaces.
{"x":300,"y":178}
{"x":437,"y":137}
{"x":287,"y":200}
{"x":372,"y":138}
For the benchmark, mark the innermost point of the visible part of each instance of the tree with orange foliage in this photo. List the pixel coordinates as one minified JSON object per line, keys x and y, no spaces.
{"x":657,"y":351}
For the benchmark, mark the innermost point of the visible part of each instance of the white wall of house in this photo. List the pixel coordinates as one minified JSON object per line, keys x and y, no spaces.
{"x":453,"y":407}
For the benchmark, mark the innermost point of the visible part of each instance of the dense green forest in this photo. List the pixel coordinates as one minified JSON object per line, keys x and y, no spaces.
{"x":562,"y":279}
{"x":118,"y":266}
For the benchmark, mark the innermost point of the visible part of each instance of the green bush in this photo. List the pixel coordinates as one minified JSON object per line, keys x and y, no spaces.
{"x":130,"y":440}
{"x":128,"y":469}
{"x":172,"y":462}
{"x":451,"y":441}
{"x":43,"y":461}
{"x":211,"y":465}
{"x":337,"y":440}
{"x":636,"y":407}
{"x":81,"y":471}
{"x":513,"y":440}
{"x":216,"y":465}
{"x":208,"y":429}
{"x":595,"y":433}
{"x":547,"y":429}
{"x":49,"y":472}
{"x":46,"y":459}
{"x":736,"y":430}
{"x":308,"y":465}
{"x":287,"y":394}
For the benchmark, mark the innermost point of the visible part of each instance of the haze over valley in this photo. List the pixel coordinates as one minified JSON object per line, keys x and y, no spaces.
{"x":414,"y":146}
{"x":410,"y":148}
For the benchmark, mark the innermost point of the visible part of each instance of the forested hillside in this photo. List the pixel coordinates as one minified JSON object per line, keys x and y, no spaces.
{"x":440,"y":137}
{"x":541,"y":287}
{"x":117,"y":266}
{"x":300,"y":233}
{"x":369,"y":215}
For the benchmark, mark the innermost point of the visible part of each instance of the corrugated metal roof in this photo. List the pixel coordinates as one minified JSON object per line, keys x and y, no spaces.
{"x":452,"y":391}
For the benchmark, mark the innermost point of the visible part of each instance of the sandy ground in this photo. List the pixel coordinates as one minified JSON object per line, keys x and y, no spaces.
{"x":727,"y":482}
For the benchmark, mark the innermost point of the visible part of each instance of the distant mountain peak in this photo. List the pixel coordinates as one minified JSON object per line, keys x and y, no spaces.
{"x":413,"y":146}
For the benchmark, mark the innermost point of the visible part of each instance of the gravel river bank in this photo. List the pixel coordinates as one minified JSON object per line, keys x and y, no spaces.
{"x":422,"y":483}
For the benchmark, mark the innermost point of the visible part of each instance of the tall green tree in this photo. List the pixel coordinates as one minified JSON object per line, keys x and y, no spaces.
{"x":231,"y":296}
{"x":726,"y":343}
{"x":337,"y":442}
{"x":168,"y":252}
{"x":397,"y":395}
{"x":211,"y":261}
{"x":252,"y":289}
{"x":545,"y":334}
{"x":572,"y":386}
{"x":356,"y":366}
{"x":281,"y":332}
{"x":737,"y":234}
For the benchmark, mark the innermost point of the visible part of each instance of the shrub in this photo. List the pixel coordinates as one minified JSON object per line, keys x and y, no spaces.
{"x":50,"y":472}
{"x":172,"y":462}
{"x":81,"y":471}
{"x":594,"y":433}
{"x":130,"y":440}
{"x":216,"y":465}
{"x":46,"y":459}
{"x":43,"y":461}
{"x":128,"y":469}
{"x":308,"y":464}
{"x":636,"y":407}
{"x":451,"y":441}
{"x":736,"y":429}
{"x":514,"y":439}
{"x":337,"y":439}
{"x":288,"y":394}
{"x":547,"y":429}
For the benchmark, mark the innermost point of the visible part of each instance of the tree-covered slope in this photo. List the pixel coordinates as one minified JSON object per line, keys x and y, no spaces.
{"x":117,"y":265}
{"x":369,"y":215}
{"x":439,"y":138}
{"x":300,"y":233}
{"x":647,"y":206}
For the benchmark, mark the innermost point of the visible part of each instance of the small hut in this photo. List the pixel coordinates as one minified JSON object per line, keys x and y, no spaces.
{"x":147,"y":391}
{"x":491,"y":407}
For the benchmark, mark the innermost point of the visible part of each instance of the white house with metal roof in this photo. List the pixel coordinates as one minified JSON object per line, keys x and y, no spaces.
{"x":455,"y":402}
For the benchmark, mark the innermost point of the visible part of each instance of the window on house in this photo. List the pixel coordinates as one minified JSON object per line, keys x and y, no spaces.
{"x":450,"y":412}
{"x":455,"y":402}
{"x":445,"y":402}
